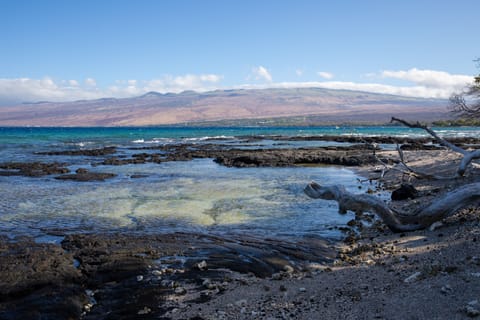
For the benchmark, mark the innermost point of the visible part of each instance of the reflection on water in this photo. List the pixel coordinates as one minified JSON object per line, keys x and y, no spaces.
{"x":175,"y":196}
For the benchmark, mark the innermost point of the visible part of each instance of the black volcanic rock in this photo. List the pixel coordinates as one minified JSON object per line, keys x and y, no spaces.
{"x":406,"y":191}
{"x":85,"y":175}
{"x":82,"y":152}
{"x":32,"y":169}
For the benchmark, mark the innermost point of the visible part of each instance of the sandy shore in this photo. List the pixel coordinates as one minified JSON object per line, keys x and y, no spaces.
{"x":373,"y":274}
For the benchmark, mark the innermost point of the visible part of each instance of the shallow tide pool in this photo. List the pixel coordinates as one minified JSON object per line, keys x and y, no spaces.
{"x":195,"y":195}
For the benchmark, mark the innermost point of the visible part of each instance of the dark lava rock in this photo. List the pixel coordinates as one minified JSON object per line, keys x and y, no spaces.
{"x":32,"y":169}
{"x":39,"y":281}
{"x":406,"y":191}
{"x":82,"y":152}
{"x":294,"y":157}
{"x":138,"y":176}
{"x":85,"y":175}
{"x":420,"y":146}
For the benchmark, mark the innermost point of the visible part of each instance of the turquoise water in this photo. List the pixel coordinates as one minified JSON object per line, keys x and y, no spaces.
{"x":195,"y":195}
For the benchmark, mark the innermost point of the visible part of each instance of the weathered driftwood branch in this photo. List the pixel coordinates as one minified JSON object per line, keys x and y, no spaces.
{"x":417,"y":173}
{"x":468,"y":156}
{"x":440,"y":208}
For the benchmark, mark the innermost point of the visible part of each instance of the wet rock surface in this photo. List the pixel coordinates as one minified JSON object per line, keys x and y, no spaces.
{"x":121,"y":276}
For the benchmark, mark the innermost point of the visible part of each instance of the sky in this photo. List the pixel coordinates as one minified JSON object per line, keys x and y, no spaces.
{"x":57,"y":50}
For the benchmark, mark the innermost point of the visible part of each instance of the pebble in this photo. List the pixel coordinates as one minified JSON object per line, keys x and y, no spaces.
{"x":157,"y":273}
{"x":289,"y":269}
{"x":414,"y":277}
{"x":139,"y":278}
{"x":302,"y":289}
{"x":207,"y":283}
{"x":472,"y":312}
{"x":145,"y":310}
{"x":202,"y":265}
{"x":180,"y":291}
{"x":446,"y":289}
{"x":277,"y":276}
{"x":166,"y":283}
{"x":241,"y":303}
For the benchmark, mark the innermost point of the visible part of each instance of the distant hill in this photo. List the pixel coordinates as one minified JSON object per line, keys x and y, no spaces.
{"x":308,"y":105}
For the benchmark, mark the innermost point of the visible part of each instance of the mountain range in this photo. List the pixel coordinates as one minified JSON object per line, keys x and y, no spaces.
{"x":305,"y":105}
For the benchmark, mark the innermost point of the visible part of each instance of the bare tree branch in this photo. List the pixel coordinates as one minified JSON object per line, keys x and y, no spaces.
{"x":440,"y":140}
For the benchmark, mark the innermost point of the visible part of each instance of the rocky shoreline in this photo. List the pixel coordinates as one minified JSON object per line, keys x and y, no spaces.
{"x":372,"y":274}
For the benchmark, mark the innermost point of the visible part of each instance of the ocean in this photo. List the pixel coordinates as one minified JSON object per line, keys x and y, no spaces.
{"x":198,"y":195}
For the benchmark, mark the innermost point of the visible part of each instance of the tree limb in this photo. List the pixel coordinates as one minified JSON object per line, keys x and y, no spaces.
{"x":440,"y":140}
{"x":468,"y":156}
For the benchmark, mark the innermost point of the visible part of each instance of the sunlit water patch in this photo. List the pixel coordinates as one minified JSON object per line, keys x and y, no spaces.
{"x":176,"y":196}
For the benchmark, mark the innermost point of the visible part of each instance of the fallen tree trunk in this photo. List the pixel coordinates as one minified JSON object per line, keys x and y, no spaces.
{"x":440,"y":208}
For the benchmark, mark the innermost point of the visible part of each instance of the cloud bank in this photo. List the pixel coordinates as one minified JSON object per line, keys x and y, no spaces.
{"x":15,"y":91}
{"x":418,"y":83}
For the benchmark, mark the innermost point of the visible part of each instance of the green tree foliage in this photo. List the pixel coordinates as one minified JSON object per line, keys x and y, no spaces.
{"x":467,"y":103}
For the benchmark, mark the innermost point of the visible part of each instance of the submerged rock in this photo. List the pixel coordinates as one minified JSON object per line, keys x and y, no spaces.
{"x":85,"y":175}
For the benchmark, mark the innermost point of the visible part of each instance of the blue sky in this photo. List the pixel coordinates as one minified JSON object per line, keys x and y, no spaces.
{"x":67,"y":50}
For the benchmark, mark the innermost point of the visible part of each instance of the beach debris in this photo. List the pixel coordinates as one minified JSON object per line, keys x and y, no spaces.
{"x":412,"y":278}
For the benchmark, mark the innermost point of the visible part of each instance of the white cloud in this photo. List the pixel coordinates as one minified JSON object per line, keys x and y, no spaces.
{"x":325,"y":75}
{"x":299,"y":72}
{"x":419,"y":83}
{"x":261,"y":73}
{"x":430,"y":78}
{"x":91,"y":82}
{"x":14,"y":91}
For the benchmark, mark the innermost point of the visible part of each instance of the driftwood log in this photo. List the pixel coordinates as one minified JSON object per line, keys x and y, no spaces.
{"x":442,"y":207}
